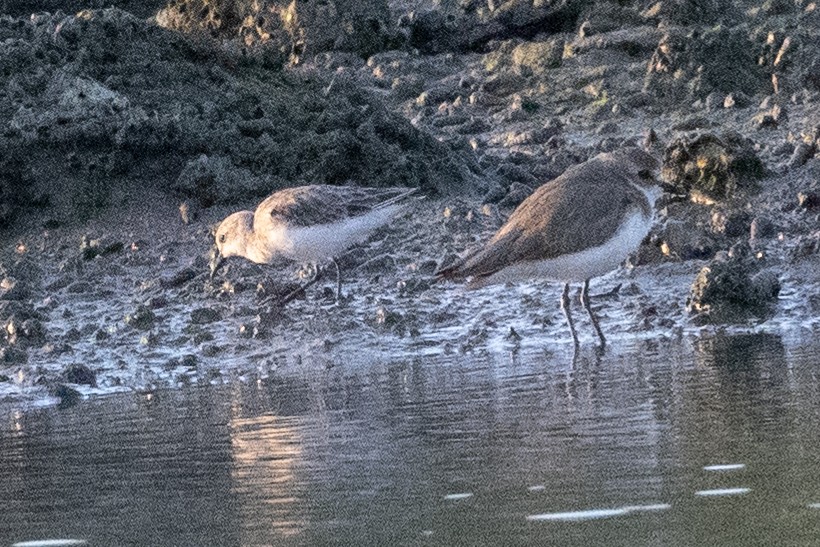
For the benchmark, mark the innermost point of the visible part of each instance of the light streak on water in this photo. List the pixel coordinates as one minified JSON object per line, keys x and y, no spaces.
{"x":592,"y":514}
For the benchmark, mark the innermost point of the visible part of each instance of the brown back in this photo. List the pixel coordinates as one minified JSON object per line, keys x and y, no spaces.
{"x":578,"y":210}
{"x":319,"y":204}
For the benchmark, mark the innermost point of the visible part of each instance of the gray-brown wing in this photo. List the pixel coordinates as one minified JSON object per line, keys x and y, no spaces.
{"x":578,"y":210}
{"x":319,"y":204}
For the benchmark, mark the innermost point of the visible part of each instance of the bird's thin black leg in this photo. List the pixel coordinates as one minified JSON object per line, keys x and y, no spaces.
{"x":338,"y":280}
{"x":568,"y":315}
{"x":317,"y":273}
{"x":292,"y":295}
{"x":585,"y":302}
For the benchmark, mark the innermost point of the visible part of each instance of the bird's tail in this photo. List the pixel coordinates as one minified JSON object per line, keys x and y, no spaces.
{"x":399,"y":198}
{"x":450,"y":272}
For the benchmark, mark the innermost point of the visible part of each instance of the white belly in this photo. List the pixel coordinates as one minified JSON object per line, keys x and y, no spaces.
{"x":579,"y":266}
{"x":324,"y":241}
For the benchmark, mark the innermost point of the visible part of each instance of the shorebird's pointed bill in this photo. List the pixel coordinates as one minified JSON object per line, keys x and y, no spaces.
{"x":216,"y":260}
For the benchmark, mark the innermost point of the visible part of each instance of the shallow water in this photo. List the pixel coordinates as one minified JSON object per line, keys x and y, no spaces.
{"x":706,"y":441}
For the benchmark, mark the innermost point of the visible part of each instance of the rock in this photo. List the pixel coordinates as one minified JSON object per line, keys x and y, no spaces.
{"x":714,"y":101}
{"x":690,"y":12}
{"x":389,"y":320}
{"x":804,"y":246}
{"x":537,"y":57}
{"x":509,"y":139}
{"x":808,"y":200}
{"x":728,"y":289}
{"x":157,"y":301}
{"x":15,"y":310}
{"x":765,"y":287}
{"x":92,"y":248}
{"x":180,"y":278}
{"x":761,"y":228}
{"x":640,"y":99}
{"x":502,"y":84}
{"x":517,"y":193}
{"x":188,"y":211}
{"x":517,"y":173}
{"x":202,"y":337}
{"x":281,"y":29}
{"x":431,"y":32}
{"x":212,"y":350}
{"x":188,"y":361}
{"x":715,"y":166}
{"x":436,"y":95}
{"x":77,"y":373}
{"x":649,"y":252}
{"x":474,"y":126}
{"x":691,"y":123}
{"x":212,"y":179}
{"x":68,"y":395}
{"x":142,"y":318}
{"x":690,"y":66}
{"x":783,"y":149}
{"x":407,"y":86}
{"x":203,"y":316}
{"x":80,"y":287}
{"x":769,"y":118}
{"x":802,"y":153}
{"x":684,"y":240}
{"x":469,"y":25}
{"x":12,"y":289}
{"x":737,"y":99}
{"x":731,"y":224}
{"x":30,"y":332}
{"x":11,"y":355}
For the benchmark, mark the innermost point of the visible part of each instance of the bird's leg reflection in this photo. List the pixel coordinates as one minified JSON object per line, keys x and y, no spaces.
{"x":588,"y":307}
{"x":338,"y":280}
{"x":568,"y":315}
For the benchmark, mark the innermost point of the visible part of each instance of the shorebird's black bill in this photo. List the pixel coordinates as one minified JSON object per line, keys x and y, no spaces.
{"x":217,"y":260}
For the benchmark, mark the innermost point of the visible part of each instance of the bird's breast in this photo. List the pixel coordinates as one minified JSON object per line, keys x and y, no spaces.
{"x":267,"y":244}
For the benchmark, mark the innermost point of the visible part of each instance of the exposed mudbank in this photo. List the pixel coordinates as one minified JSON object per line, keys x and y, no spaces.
{"x":125,"y":140}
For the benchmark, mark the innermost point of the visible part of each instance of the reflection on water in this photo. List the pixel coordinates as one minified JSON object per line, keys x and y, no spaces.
{"x":267,"y":449}
{"x":710,"y":443}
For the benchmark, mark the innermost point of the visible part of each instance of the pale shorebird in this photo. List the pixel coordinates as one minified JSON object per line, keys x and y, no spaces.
{"x":579,"y":225}
{"x":308,"y":224}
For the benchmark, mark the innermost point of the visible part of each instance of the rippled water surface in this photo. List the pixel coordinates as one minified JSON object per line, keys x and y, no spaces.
{"x":711,"y":441}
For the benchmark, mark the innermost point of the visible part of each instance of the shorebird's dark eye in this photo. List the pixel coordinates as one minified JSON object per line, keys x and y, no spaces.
{"x":645,"y":174}
{"x":222,"y":238}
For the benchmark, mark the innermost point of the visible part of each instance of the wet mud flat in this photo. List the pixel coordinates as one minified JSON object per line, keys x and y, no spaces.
{"x":127,"y":137}
{"x":136,"y":310}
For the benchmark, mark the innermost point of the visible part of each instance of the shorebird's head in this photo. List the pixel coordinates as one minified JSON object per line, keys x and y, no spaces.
{"x":641,"y":165}
{"x":231,"y":238}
